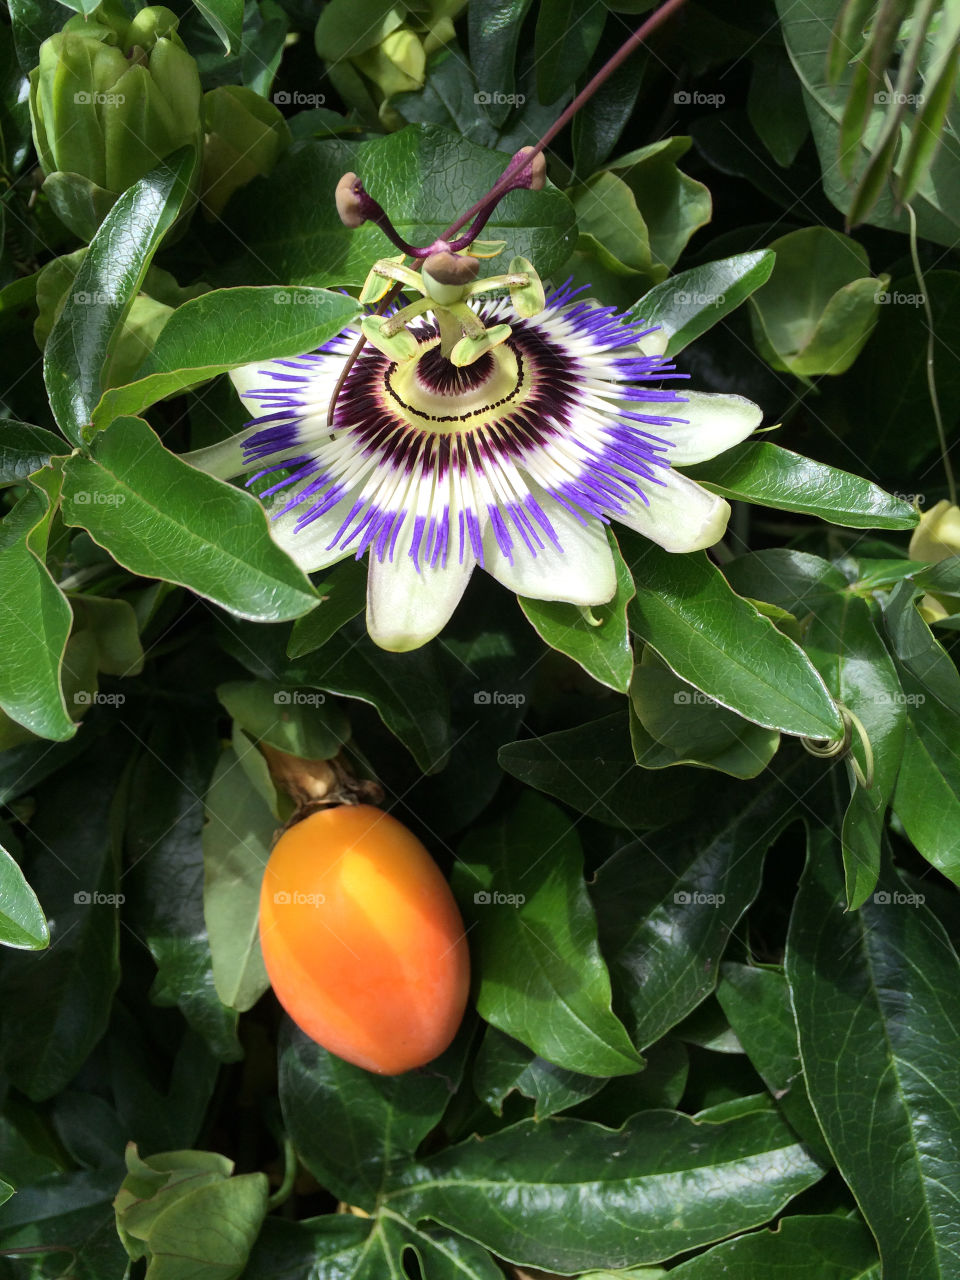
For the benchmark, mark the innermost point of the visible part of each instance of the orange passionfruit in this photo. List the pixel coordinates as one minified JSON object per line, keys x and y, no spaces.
{"x":362,"y":939}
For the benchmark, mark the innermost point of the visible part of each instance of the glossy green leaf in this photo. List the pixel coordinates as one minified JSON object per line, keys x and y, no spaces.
{"x":494,"y":27}
{"x":298,"y":721}
{"x":25,"y":449}
{"x":685,"y":610}
{"x":161,"y":518}
{"x":237,"y":839}
{"x":568,"y":1194}
{"x":35,"y":616}
{"x":596,"y":638}
{"x":688,"y":304}
{"x":592,"y":768}
{"x":112,"y":624}
{"x":343,"y":594}
{"x":822,"y":1247}
{"x":843,"y":643}
{"x":226,"y":19}
{"x":757,"y":1004}
{"x":775,"y":104}
{"x":665,"y":917}
{"x":504,"y":1065}
{"x":874,"y":992}
{"x":22,"y":922}
{"x":223,"y":330}
{"x":372,"y":1125}
{"x":520,"y":887}
{"x":54,"y":1004}
{"x":425,"y":177}
{"x":763,"y":473}
{"x":793,"y":580}
{"x":566,"y":36}
{"x":109,"y":279}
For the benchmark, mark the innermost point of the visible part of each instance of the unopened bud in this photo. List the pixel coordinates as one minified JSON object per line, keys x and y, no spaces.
{"x":349,"y":204}
{"x":451,"y":268}
{"x":937,"y":536}
{"x":538,"y":168}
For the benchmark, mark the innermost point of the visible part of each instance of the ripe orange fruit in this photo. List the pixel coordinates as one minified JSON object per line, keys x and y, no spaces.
{"x":362,"y":939}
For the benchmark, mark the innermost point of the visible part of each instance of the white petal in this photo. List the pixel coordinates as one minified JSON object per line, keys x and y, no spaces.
{"x":251,"y":377}
{"x":224,"y":460}
{"x":681,"y":516}
{"x":713,"y":424}
{"x":583,"y":573}
{"x":309,"y":546}
{"x":407,"y":607}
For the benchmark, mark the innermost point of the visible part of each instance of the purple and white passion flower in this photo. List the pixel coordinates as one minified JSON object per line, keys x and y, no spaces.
{"x":513,"y":463}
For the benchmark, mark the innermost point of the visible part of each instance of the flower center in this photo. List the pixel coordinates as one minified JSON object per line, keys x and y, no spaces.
{"x":433,"y":393}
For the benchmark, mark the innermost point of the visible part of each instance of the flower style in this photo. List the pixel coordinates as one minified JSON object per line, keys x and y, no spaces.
{"x":514,"y":462}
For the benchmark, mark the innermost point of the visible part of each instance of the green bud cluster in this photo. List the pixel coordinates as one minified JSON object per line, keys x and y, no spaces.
{"x":111,"y":97}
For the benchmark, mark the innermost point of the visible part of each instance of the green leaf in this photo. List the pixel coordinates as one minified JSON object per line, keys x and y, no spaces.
{"x":504,"y":1065}
{"x":25,"y":449}
{"x":793,"y":580}
{"x":819,"y":306}
{"x":671,"y":723}
{"x":223,"y":330}
{"x":343,"y":594}
{"x":687,"y":305}
{"x":372,"y":1125}
{"x":54,"y":1004}
{"x":568,"y":1194}
{"x":406,"y":688}
{"x":112,"y":624}
{"x":824,"y":1247}
{"x":845,"y":647}
{"x":520,"y":886}
{"x":35,"y":616}
{"x":424,"y":178}
{"x":874,"y":994}
{"x":225,"y":17}
{"x":592,"y":768}
{"x":164,"y":881}
{"x":22,"y":922}
{"x":297,"y":721}
{"x":665,"y":919}
{"x":566,"y":37}
{"x":672,"y":205}
{"x":757,"y":1004}
{"x":109,"y":278}
{"x":763,"y":473}
{"x":236,"y":844}
{"x":775,"y":104}
{"x":685,"y":610}
{"x":495,"y":27}
{"x":596,"y":638}
{"x":161,"y":518}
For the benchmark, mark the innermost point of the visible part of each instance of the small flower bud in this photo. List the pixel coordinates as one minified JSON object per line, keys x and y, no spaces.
{"x":538,"y":168}
{"x":349,"y":204}
{"x":937,"y":536}
{"x":451,"y":268}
